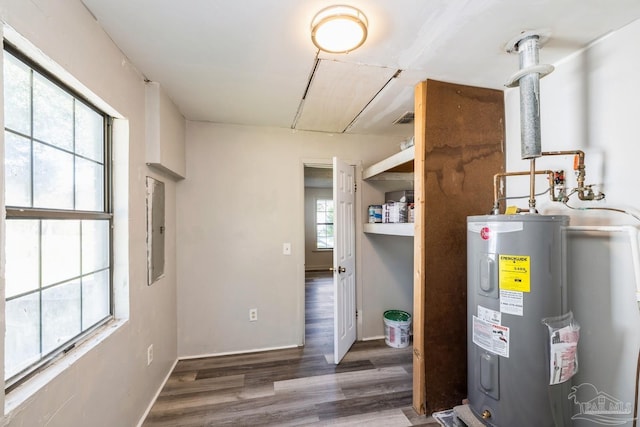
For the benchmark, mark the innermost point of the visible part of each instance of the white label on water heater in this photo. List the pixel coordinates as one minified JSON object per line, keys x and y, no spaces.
{"x":511,"y":302}
{"x":489,"y":315}
{"x":491,"y":337}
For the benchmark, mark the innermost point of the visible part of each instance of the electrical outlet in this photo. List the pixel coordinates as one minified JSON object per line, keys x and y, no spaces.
{"x":149,"y":354}
{"x":253,"y":314}
{"x":286,"y":248}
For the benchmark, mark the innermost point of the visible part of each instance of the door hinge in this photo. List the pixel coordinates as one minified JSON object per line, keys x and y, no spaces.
{"x":355,"y":187}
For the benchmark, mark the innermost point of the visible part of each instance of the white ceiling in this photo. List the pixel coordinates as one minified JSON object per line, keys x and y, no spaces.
{"x":250,"y":61}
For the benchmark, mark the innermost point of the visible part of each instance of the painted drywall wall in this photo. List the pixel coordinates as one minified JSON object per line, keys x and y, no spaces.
{"x":590,"y":102}
{"x":111,"y":385}
{"x":244,"y":198}
{"x":314,"y":259}
{"x":387,"y":279}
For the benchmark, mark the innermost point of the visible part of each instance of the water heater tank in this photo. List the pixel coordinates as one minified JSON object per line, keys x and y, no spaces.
{"x":516,"y":277}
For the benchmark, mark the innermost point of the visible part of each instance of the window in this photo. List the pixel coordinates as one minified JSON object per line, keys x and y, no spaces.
{"x":324,"y":224}
{"x":58,"y":218}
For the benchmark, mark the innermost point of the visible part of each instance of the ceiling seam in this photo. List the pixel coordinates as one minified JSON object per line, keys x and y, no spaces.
{"x":395,"y":75}
{"x":306,"y":90}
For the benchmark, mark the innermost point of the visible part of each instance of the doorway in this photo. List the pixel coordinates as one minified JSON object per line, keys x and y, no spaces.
{"x":318,"y":329}
{"x":318,"y":220}
{"x":331,"y":231}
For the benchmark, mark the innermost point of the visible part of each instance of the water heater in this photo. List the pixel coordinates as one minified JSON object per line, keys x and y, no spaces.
{"x":516,"y":278}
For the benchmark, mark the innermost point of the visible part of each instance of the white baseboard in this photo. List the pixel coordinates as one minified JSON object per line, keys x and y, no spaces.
{"x":231,"y":353}
{"x":374,"y":338}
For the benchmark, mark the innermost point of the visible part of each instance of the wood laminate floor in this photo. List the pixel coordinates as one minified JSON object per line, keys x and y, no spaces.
{"x":372,"y":385}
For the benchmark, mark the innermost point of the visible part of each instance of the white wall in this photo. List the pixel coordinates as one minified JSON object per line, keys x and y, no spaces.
{"x":111,"y":385}
{"x":590,"y":102}
{"x":314,"y":259}
{"x":243,"y":198}
{"x":387,"y":279}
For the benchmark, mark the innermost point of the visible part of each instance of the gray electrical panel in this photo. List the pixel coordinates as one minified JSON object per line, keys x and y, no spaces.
{"x":516,"y":277}
{"x":155,"y":230}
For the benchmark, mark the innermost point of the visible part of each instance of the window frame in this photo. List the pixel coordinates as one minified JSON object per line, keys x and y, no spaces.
{"x":31,"y":213}
{"x":316,"y":224}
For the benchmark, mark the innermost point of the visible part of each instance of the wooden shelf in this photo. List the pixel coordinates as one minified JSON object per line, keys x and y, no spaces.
{"x":401,"y":162}
{"x":395,"y":168}
{"x":394,"y":229}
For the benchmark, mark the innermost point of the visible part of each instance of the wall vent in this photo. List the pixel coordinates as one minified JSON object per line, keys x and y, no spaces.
{"x":405,"y":118}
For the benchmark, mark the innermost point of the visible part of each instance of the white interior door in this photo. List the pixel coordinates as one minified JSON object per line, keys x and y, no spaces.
{"x":344,"y":255}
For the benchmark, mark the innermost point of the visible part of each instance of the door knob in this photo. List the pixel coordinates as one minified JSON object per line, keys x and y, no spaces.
{"x":340,"y":269}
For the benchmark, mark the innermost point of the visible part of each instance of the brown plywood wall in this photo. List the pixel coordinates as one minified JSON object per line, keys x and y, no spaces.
{"x":461,"y":143}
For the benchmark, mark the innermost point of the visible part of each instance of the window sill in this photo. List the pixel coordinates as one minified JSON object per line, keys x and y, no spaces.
{"x":322,"y":250}
{"x":25,"y":391}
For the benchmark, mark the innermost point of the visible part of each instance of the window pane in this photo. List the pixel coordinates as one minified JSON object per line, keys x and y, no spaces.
{"x":17,"y":164}
{"x":60,"y":251}
{"x":322,"y":230}
{"x":89,"y":185}
{"x":324,"y":224}
{"x":17,"y":95}
{"x":95,"y":245}
{"x":60,"y":315}
{"x":57,"y":271}
{"x":321,"y":237}
{"x":89,"y":133}
{"x":22,"y":251}
{"x":22,"y":336}
{"x":95,"y":298}
{"x":53,"y":178}
{"x":329,"y":216}
{"x":52,"y":113}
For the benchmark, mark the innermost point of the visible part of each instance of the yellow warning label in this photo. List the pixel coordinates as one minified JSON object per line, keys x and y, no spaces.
{"x":515,"y":273}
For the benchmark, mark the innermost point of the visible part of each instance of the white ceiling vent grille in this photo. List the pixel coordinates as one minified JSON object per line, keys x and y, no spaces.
{"x":405,"y":118}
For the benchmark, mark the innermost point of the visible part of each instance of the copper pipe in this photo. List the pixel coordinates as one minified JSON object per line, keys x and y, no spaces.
{"x":498,"y":176}
{"x":584,"y":193}
{"x":578,"y":164}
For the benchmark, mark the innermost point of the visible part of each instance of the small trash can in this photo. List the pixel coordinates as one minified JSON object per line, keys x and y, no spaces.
{"x":397,"y":328}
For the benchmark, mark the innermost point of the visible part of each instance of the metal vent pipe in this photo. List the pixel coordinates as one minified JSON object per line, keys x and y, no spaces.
{"x":531,"y":146}
{"x":527,"y":45}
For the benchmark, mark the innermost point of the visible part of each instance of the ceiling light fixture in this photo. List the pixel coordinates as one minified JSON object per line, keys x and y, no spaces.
{"x":339,"y":29}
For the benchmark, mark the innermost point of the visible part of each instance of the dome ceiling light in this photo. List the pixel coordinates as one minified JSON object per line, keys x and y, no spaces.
{"x":339,"y":29}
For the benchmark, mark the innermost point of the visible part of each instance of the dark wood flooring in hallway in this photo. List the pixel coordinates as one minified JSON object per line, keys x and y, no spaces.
{"x":300,"y":386}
